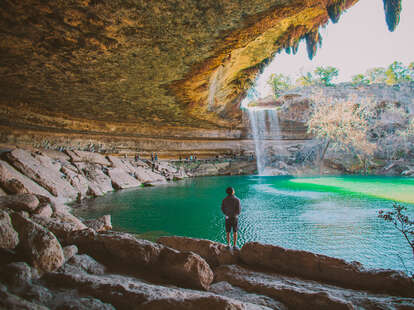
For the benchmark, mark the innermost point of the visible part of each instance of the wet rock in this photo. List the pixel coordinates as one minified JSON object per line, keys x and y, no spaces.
{"x":38,"y":244}
{"x":14,"y":182}
{"x":87,"y":157}
{"x":88,"y":264}
{"x":101,"y":224}
{"x":121,"y":179}
{"x":129,"y":293}
{"x":20,"y":202}
{"x":324,"y":268}
{"x":11,"y":301}
{"x":8,"y":236}
{"x":17,"y":275}
{"x":43,"y":172}
{"x":226,"y":289}
{"x":186,"y":268}
{"x":69,"y":251}
{"x":214,"y":253}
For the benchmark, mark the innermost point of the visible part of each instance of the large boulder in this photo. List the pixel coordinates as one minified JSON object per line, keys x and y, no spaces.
{"x":120,"y":249}
{"x":87,"y":157}
{"x":186,"y":268}
{"x":130,"y":293}
{"x":121,"y":163}
{"x":21,"y":202}
{"x":8,"y":236}
{"x":116,"y":248}
{"x":99,"y":182}
{"x":11,"y":301}
{"x":324,"y":268}
{"x":61,"y":225}
{"x":15,"y":182}
{"x":38,"y":244}
{"x":214,"y":253}
{"x":147,"y":176}
{"x":76,"y":179}
{"x":41,"y":170}
{"x":100,"y":224}
{"x":88,"y":264}
{"x":17,"y":274}
{"x":121,"y":179}
{"x":296,"y":293}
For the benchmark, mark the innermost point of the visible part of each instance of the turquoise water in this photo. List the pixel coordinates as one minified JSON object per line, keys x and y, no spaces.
{"x":335,"y":216}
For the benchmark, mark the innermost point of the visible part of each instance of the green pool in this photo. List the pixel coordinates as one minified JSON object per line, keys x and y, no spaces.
{"x":336,"y":216}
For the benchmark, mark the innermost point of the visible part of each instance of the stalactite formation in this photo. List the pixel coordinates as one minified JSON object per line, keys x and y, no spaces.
{"x":335,"y":10}
{"x":392,"y":10}
{"x":313,"y":39}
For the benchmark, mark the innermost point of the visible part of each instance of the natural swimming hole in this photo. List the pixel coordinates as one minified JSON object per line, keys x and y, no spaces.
{"x":335,"y":216}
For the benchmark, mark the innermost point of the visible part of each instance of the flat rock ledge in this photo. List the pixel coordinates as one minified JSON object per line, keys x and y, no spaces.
{"x":50,"y":259}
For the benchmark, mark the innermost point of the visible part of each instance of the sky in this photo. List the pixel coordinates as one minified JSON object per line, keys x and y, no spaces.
{"x":359,"y":41}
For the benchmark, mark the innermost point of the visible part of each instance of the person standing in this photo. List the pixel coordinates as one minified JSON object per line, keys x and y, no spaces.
{"x":231,"y":209}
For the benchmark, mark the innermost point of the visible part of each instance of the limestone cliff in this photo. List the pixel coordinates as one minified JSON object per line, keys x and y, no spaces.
{"x":105,"y":70}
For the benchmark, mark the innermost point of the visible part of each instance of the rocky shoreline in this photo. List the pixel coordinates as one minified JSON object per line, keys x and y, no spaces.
{"x":50,"y":259}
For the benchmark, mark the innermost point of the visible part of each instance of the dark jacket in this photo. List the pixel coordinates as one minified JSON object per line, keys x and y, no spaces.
{"x":231,"y":206}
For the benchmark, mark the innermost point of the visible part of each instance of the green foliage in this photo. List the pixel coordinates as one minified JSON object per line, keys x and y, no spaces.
{"x":376,"y":75}
{"x":397,"y":73}
{"x":392,"y":10}
{"x":335,"y":10}
{"x":306,"y":79}
{"x":360,"y":79}
{"x":279,"y":83}
{"x":326,"y":74}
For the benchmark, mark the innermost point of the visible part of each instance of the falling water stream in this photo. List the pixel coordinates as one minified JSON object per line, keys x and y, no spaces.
{"x":265,"y":129}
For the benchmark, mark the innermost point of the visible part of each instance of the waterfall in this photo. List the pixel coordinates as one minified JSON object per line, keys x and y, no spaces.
{"x":265,"y":131}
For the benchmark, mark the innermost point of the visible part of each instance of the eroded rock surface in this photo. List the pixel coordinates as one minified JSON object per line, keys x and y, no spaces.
{"x":8,"y":236}
{"x":214,"y":253}
{"x":38,"y":244}
{"x":324,"y":268}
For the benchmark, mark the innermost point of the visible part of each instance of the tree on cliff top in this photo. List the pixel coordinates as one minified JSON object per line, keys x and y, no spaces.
{"x":325,"y":75}
{"x":279,"y":83}
{"x":343,"y":125}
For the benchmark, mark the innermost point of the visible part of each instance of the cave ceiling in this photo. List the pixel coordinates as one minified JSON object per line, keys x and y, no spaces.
{"x":103,"y":64}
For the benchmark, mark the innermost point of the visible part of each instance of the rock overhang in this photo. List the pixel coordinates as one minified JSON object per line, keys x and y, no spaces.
{"x":143,"y":67}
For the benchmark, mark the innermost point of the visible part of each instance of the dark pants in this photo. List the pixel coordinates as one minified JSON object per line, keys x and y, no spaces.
{"x":231,"y":223}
